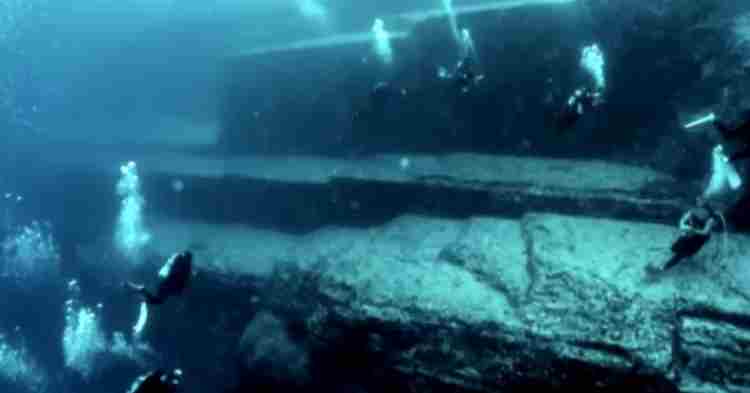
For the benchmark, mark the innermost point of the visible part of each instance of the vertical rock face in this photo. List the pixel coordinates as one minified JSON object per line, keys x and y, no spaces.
{"x":484,"y":304}
{"x":666,"y":61}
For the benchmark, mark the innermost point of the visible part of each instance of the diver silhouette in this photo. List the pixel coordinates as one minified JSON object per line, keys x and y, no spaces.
{"x":581,"y":101}
{"x":174,"y":277}
{"x":157,"y":381}
{"x":696,"y":227}
{"x":466,"y":76}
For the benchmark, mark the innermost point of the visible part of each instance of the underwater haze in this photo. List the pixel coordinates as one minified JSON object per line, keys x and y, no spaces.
{"x":365,"y":196}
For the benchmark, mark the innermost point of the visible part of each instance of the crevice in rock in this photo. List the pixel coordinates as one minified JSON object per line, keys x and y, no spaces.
{"x":679,"y":356}
{"x":708,"y":355}
{"x":531,"y":269}
{"x":449,"y":254}
{"x":710,"y":313}
{"x":609,"y":350}
{"x":731,"y":287}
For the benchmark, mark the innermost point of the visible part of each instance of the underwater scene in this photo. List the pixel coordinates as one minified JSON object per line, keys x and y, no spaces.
{"x":366,"y":196}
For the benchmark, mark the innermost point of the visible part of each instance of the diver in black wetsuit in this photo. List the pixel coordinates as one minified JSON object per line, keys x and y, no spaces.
{"x":575,"y":107}
{"x":696,"y":227}
{"x":382,"y":95}
{"x":466,"y":76}
{"x":173,"y":279}
{"x":739,"y":133}
{"x":157,"y":381}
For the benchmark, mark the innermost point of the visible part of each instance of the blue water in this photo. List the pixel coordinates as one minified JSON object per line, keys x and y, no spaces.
{"x":200,"y":93}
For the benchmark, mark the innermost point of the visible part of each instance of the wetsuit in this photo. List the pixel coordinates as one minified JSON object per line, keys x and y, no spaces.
{"x":740,"y":133}
{"x":696,"y":227}
{"x":465,"y":76}
{"x":173,"y":279}
{"x":157,"y":382}
{"x":381,"y":96}
{"x":575,"y":107}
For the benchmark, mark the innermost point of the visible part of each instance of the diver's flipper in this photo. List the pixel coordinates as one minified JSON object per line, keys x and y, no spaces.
{"x":140,"y":324}
{"x":656,"y":268}
{"x":134,"y":287}
{"x":672,"y":262}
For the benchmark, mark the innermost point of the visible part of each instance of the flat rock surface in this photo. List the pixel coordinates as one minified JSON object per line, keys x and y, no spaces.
{"x":547,"y":299}
{"x":542,"y":172}
{"x":466,"y":184}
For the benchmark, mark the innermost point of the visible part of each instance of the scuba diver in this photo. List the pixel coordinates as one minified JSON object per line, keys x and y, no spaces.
{"x":173,"y":279}
{"x":696,"y":227}
{"x":157,"y":381}
{"x":590,"y":95}
{"x":374,"y":117}
{"x":383,"y":95}
{"x":582,"y":100}
{"x":739,"y":133}
{"x":466,"y":77}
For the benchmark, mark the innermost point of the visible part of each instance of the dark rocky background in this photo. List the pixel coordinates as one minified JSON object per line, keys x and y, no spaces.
{"x":665,"y":60}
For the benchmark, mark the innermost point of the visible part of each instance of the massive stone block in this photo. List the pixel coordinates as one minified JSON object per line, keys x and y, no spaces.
{"x":485,"y":304}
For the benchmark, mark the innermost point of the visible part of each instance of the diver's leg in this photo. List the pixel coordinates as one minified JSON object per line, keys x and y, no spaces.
{"x":672,"y":262}
{"x":133,"y":286}
{"x":685,"y":247}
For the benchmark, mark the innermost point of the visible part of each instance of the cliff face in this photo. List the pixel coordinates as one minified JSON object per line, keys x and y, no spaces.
{"x":474,"y":305}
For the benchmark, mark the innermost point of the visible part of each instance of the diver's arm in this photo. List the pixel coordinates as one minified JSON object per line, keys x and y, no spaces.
{"x":711,"y":224}
{"x":597,"y":98}
{"x":683,"y":225}
{"x":585,"y":99}
{"x":706,"y":230}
